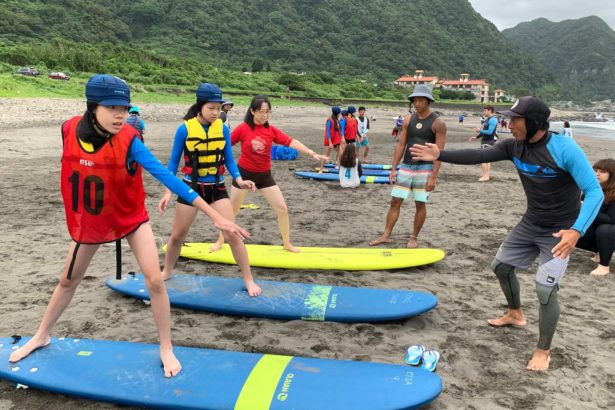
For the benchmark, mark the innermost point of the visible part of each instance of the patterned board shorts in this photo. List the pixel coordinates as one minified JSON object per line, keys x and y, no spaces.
{"x":411,"y":181}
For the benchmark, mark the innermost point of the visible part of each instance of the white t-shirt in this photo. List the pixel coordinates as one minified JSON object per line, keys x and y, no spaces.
{"x":349,"y":177}
{"x":567,"y":132}
{"x":363,"y":125}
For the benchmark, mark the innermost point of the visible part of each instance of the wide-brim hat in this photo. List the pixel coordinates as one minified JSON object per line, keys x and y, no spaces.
{"x":421,"y":91}
{"x":228,"y":102}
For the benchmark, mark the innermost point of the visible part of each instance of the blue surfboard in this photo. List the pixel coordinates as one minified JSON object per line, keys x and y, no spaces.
{"x":367,"y":172}
{"x":368,"y":166}
{"x":130,"y":374}
{"x":335,"y":177}
{"x":284,"y":300}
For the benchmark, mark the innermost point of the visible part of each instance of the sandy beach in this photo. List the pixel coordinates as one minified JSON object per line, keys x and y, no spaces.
{"x":481,"y":367}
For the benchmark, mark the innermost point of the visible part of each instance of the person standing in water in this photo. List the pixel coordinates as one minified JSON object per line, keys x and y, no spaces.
{"x":257,"y":136}
{"x":205,"y":143}
{"x":104,"y":201}
{"x":415,"y":179}
{"x":554,"y":171}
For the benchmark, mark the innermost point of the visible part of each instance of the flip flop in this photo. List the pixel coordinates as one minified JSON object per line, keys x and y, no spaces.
{"x":414,"y":354}
{"x":249,"y":206}
{"x":430,"y":360}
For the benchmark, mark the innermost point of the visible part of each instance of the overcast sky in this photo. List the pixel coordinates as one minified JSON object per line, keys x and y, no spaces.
{"x":508,"y":13}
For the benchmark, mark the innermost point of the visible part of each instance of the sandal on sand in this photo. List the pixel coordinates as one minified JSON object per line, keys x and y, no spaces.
{"x":249,"y":206}
{"x":414,"y":354}
{"x":430,"y":360}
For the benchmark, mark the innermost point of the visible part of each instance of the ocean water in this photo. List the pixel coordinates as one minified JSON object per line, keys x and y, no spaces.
{"x":602,"y":130}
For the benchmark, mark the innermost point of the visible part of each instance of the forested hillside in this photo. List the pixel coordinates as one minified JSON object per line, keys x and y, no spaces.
{"x":580,"y":54}
{"x":375,"y":40}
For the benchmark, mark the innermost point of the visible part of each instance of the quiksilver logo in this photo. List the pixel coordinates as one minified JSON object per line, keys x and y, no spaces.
{"x":283,"y":395}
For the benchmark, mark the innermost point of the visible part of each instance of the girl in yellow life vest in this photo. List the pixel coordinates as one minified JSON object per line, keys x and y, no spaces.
{"x":205,"y":143}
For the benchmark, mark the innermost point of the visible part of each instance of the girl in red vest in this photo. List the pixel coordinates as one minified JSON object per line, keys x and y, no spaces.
{"x":257,"y":136}
{"x":333,"y":135}
{"x":104,"y":201}
{"x":205,"y":143}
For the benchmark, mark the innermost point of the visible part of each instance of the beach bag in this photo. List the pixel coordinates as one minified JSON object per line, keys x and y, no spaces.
{"x":279,"y":152}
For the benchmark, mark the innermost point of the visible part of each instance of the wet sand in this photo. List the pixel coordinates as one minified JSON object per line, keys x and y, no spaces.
{"x":481,"y":367}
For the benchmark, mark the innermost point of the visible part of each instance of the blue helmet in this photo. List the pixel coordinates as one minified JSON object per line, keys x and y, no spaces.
{"x":134,"y":110}
{"x":107,"y":90}
{"x":351,"y":109}
{"x":209,"y":92}
{"x":336,"y":110}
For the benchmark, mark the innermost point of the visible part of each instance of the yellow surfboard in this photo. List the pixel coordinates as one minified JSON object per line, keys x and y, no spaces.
{"x":271,"y":256}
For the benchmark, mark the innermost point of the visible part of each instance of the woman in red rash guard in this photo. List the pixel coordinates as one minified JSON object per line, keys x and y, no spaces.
{"x":257,"y":136}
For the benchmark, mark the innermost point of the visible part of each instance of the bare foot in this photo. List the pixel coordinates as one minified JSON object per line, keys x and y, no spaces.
{"x":25,"y":350}
{"x":380,"y":240}
{"x":253,"y":288}
{"x":595,"y":258}
{"x":510,"y":318}
{"x":539,"y":361}
{"x":170,"y":363}
{"x":289,"y":247}
{"x":166,"y":276}
{"x":412,"y":242}
{"x":483,"y":179}
{"x":600,"y":271}
{"x":215,"y":246}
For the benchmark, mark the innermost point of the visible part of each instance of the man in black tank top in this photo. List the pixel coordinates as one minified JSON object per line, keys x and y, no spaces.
{"x":415,"y":179}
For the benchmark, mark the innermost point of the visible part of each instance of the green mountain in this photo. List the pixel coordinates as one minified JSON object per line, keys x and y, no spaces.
{"x":374,"y":40}
{"x":580,"y":54}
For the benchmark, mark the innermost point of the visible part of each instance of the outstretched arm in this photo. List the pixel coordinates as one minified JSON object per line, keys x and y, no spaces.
{"x":431,"y":152}
{"x":142,"y":155}
{"x":302,"y":148}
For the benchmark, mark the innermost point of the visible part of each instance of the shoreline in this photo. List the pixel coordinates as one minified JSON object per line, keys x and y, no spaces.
{"x":40,"y":112}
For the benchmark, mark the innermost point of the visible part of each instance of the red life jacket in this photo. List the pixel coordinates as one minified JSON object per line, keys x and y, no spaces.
{"x":352,"y":126}
{"x":103,"y":195}
{"x":336,"y":135}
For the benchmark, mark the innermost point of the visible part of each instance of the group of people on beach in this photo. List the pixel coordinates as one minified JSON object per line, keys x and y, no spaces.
{"x":102,"y":189}
{"x":570,"y":203}
{"x":344,"y":129}
{"x":104,"y":197}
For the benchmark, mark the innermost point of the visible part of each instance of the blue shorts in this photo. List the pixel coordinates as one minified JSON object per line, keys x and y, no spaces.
{"x":411,"y":181}
{"x":365,"y":143}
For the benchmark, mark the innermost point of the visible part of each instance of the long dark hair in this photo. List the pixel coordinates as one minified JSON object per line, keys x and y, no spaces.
{"x":336,"y":122}
{"x":349,"y":156}
{"x":255,"y":105}
{"x":194,"y":110}
{"x":607,"y":165}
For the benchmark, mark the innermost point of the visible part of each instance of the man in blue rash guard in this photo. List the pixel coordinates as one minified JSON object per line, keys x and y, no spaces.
{"x":554,"y":171}
{"x":488,"y":138}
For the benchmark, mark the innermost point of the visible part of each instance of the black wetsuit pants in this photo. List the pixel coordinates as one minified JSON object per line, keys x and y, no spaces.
{"x":601,"y":239}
